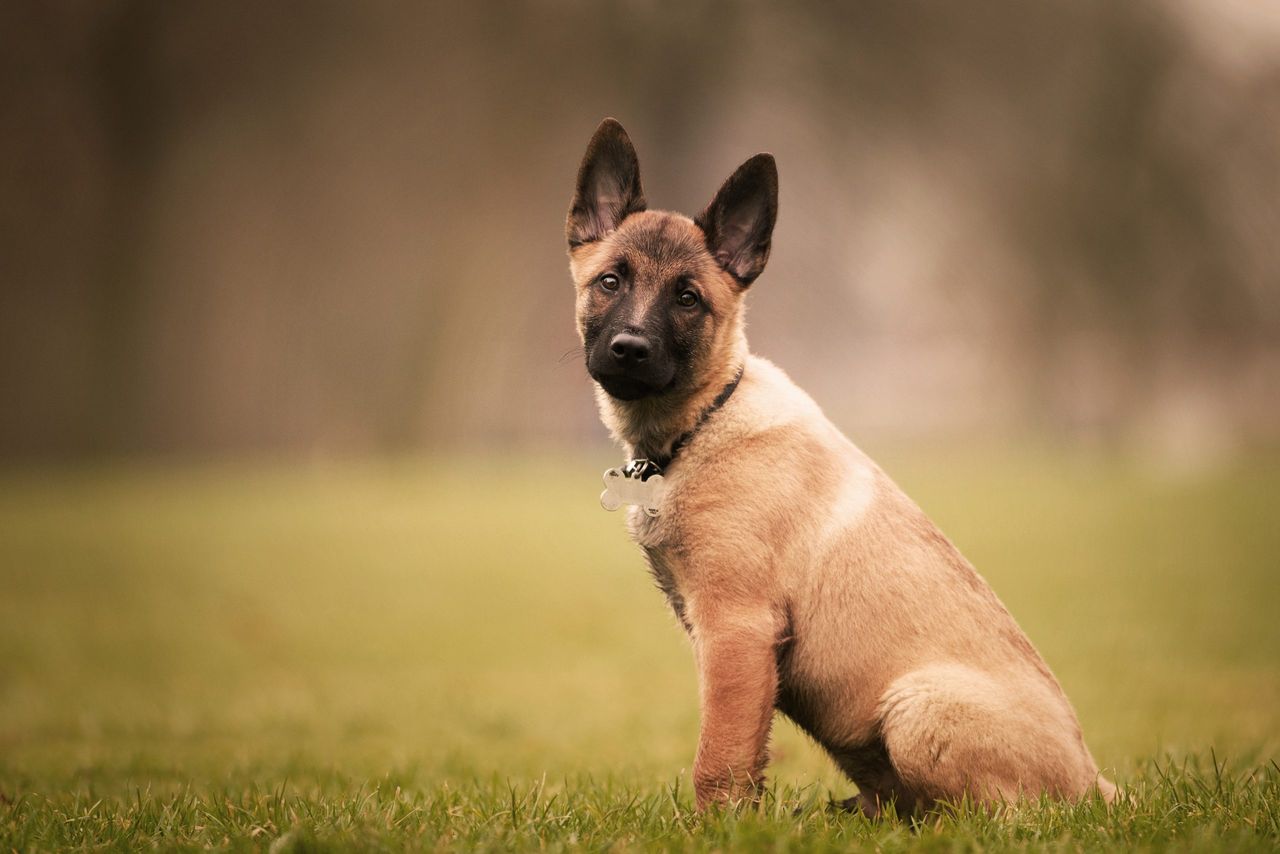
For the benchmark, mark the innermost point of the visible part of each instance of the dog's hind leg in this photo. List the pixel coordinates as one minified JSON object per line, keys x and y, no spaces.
{"x":952,"y":731}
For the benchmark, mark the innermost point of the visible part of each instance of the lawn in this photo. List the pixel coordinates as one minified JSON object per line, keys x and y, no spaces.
{"x":469,"y":654}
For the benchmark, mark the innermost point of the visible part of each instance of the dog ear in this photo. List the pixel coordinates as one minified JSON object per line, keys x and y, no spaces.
{"x":608,"y":186}
{"x":739,"y":221}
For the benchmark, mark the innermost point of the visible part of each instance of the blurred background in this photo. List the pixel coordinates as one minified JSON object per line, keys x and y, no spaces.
{"x":333,"y":228}
{"x":299,"y":465}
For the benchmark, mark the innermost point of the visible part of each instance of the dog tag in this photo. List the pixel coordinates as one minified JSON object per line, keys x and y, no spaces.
{"x":626,"y":486}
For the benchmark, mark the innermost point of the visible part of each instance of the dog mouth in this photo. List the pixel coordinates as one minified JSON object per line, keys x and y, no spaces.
{"x":622,"y":387}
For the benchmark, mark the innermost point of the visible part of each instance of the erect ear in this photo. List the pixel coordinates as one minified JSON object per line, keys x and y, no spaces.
{"x":739,"y":221}
{"x":608,"y":186}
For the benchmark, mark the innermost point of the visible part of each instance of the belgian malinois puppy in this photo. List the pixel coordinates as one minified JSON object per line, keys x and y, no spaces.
{"x":807,"y":581}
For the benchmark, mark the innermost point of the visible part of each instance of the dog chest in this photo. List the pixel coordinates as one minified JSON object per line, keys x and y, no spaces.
{"x":665,"y":576}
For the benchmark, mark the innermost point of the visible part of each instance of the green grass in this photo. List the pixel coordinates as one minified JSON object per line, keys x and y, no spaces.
{"x":469,"y":654}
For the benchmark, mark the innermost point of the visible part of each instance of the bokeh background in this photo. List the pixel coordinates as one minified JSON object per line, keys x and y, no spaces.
{"x":332,"y":228}
{"x":298,"y":462}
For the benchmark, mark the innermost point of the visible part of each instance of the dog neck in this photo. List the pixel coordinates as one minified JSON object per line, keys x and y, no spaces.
{"x":650,"y":426}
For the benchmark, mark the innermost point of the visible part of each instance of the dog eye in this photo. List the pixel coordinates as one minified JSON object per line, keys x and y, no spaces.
{"x":609,"y":282}
{"x":688,"y":299}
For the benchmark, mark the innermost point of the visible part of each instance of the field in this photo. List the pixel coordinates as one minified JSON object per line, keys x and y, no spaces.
{"x":469,"y":654}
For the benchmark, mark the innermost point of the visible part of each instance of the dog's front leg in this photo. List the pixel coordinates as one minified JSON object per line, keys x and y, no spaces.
{"x":738,"y":684}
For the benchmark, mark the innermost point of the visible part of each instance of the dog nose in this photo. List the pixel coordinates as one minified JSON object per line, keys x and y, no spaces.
{"x":629,"y":349}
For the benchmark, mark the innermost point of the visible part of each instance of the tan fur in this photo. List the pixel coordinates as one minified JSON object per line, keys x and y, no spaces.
{"x":808,"y":582}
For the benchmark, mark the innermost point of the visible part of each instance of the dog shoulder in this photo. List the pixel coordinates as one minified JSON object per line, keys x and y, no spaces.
{"x":772,"y":477}
{"x":779,"y":431}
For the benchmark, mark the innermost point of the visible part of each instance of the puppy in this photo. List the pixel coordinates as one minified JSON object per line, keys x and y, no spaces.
{"x":806,"y":580}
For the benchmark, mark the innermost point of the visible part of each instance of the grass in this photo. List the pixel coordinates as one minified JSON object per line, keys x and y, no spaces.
{"x":468,"y":654}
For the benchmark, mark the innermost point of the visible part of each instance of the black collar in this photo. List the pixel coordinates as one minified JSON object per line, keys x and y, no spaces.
{"x":646,"y":467}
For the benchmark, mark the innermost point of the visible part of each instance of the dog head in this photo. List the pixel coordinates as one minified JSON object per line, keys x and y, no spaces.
{"x":660,"y":295}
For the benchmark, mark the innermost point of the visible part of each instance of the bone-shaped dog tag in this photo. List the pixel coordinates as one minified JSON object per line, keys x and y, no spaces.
{"x":621,"y":488}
